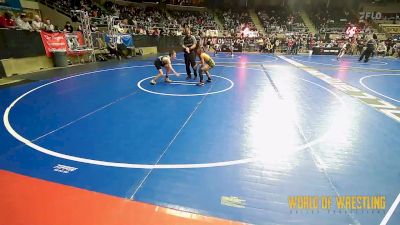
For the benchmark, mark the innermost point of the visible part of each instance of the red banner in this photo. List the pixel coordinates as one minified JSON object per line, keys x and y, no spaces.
{"x":80,"y":38}
{"x":53,"y":42}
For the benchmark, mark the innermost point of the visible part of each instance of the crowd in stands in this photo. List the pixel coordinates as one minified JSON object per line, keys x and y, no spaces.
{"x":234,"y":21}
{"x":387,"y":48}
{"x":137,"y":20}
{"x":153,"y":20}
{"x":22,"y":22}
{"x":142,"y":20}
{"x":278,"y":19}
{"x":329,"y":19}
{"x":290,"y":44}
{"x":195,"y":19}
{"x":6,"y":20}
{"x":67,"y":7}
{"x":293,"y":44}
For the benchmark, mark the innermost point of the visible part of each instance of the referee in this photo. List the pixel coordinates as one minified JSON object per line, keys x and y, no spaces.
{"x":369,"y":50}
{"x":189,"y":44}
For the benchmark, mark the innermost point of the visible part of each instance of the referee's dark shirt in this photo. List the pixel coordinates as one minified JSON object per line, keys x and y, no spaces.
{"x":188,"y":41}
{"x":371,"y":44}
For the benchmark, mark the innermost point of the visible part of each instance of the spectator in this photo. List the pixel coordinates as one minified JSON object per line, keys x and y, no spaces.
{"x":330,"y":44}
{"x":390,"y":45}
{"x":382,"y":49}
{"x":68,"y":28}
{"x":236,"y":21}
{"x":290,"y":44}
{"x":48,"y":26}
{"x":396,"y":50}
{"x":156,"y":32}
{"x":114,"y":50}
{"x":6,"y":21}
{"x":94,"y":27}
{"x":37,"y":23}
{"x":295,"y":47}
{"x":134,"y":22}
{"x":269,"y":46}
{"x":276,"y":45}
{"x":22,"y":22}
{"x":123,"y":27}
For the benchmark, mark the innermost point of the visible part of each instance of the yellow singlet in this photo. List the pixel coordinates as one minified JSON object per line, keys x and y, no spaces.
{"x":205,"y":56}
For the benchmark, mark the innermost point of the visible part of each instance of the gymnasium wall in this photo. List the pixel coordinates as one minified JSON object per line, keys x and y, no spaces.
{"x":20,"y":44}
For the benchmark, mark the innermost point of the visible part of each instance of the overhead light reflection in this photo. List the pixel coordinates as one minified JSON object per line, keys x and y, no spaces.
{"x":271,"y":135}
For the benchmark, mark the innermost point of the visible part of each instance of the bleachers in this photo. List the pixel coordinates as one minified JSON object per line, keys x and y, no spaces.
{"x":279,"y":19}
{"x":330,"y":19}
{"x":148,"y":21}
{"x":65,"y":7}
{"x":195,"y":19}
{"x":143,"y":19}
{"x":235,"y":20}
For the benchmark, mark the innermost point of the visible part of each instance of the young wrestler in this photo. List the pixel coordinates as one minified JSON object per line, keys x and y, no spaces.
{"x":206,"y":63}
{"x":342,"y":51}
{"x":208,"y":44}
{"x":230,"y":47}
{"x":217,"y":48}
{"x":164,"y":61}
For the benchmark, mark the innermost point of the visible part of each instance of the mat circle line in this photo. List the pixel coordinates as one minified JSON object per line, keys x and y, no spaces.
{"x":27,"y":142}
{"x":139,"y":85}
{"x":374,"y":91}
{"x":374,"y":62}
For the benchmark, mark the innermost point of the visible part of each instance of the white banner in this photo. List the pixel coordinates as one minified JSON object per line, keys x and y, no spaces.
{"x":212,"y":33}
{"x":250,"y":34}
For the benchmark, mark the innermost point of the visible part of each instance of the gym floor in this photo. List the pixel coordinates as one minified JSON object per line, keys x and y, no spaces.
{"x":103,"y":146}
